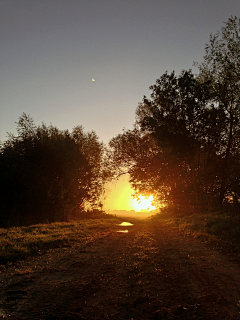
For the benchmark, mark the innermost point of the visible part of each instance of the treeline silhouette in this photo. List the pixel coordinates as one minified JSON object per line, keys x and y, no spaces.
{"x":184,"y":147}
{"x":49,"y":175}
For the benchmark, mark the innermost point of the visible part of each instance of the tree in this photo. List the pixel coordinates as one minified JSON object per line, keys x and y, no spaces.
{"x":137,"y":154}
{"x":221,"y":66}
{"x":96,"y":154}
{"x":49,"y":174}
{"x":172,"y":152}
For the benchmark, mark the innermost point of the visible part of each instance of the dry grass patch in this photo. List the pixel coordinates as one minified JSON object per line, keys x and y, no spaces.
{"x":19,"y":242}
{"x":221,"y":228}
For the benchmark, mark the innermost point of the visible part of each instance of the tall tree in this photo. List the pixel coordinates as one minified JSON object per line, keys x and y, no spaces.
{"x":221,"y":66}
{"x":172,"y":152}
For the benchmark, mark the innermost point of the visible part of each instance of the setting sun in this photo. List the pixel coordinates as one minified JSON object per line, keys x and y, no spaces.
{"x":144,"y":203}
{"x":120,"y":197}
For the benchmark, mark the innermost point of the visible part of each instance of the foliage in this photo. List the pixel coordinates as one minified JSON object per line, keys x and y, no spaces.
{"x":135,"y":153}
{"x":221,"y":67}
{"x":180,"y":117}
{"x":173,"y":144}
{"x":49,"y":175}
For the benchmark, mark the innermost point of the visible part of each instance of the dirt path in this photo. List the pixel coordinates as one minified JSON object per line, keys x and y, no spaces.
{"x":151,"y":272}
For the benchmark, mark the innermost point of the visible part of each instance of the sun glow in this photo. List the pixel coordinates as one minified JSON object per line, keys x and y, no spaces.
{"x":120,"y":198}
{"x":144,"y":203}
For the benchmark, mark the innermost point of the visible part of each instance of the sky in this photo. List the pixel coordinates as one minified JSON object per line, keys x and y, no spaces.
{"x":50,"y":50}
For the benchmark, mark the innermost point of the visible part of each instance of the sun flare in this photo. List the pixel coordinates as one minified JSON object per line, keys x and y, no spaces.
{"x":144,"y":203}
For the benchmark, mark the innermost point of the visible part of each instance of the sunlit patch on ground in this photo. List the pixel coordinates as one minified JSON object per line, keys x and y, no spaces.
{"x":126,"y":224}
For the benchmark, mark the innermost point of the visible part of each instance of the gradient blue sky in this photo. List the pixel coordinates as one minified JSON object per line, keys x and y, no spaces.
{"x":51,"y":49}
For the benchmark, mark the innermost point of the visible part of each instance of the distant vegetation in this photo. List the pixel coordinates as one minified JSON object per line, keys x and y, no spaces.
{"x":133,"y":214}
{"x":184,"y":147}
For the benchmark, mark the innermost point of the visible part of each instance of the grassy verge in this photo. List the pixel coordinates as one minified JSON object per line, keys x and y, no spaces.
{"x":20,"y":242}
{"x":222,"y":229}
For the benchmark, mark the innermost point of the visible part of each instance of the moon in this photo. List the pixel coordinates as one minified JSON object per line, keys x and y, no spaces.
{"x":93,"y":80}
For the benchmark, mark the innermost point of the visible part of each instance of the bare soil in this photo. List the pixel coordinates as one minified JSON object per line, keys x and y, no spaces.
{"x":151,"y":272}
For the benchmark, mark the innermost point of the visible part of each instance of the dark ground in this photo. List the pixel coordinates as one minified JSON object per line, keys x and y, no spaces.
{"x":151,"y":272}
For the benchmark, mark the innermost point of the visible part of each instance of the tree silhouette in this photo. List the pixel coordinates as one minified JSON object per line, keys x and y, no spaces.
{"x":221,"y":66}
{"x":176,"y":146}
{"x":49,"y":175}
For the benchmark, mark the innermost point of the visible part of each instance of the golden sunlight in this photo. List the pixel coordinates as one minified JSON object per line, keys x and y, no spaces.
{"x":144,"y":203}
{"x":120,"y":196}
{"x":121,"y":202}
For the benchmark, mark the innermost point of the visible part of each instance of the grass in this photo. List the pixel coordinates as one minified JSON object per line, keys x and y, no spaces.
{"x":222,"y":229}
{"x":20,"y":242}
